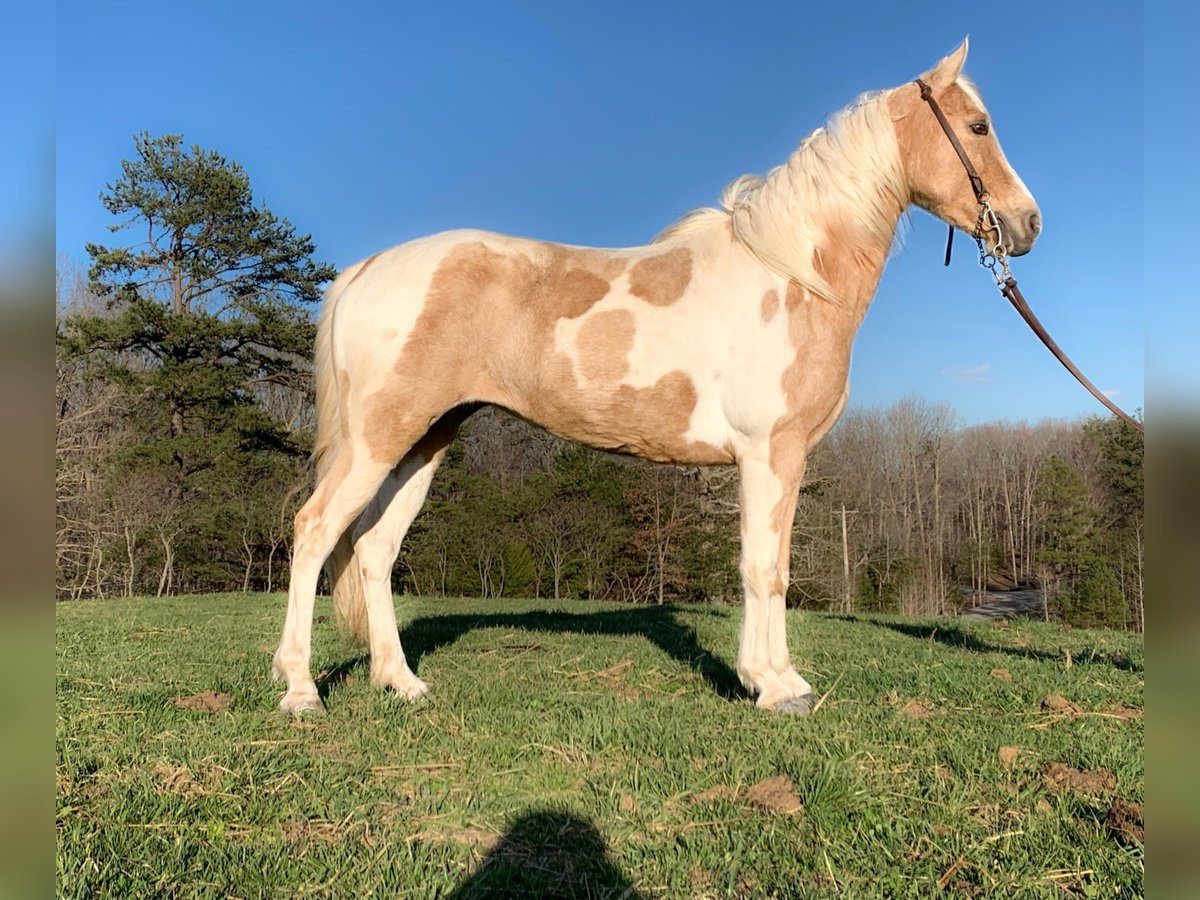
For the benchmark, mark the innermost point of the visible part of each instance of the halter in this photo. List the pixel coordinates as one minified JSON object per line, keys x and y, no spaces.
{"x":989,"y":221}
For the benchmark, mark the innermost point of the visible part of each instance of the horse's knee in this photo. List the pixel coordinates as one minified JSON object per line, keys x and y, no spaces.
{"x":374,"y":561}
{"x":761,"y":576}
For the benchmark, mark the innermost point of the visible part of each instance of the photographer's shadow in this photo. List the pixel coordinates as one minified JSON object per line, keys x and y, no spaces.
{"x":548,"y":853}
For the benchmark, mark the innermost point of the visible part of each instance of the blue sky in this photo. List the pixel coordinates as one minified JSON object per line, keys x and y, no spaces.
{"x":599,"y":123}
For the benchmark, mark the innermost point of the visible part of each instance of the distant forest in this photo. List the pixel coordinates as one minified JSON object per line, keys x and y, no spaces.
{"x":184,"y":419}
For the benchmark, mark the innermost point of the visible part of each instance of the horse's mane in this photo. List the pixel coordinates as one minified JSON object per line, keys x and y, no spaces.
{"x":846,"y":169}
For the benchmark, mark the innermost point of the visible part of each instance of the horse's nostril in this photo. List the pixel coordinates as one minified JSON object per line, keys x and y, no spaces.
{"x":1035,"y":223}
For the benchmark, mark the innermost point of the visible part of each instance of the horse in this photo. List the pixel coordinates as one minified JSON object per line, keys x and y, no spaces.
{"x":726,"y":340}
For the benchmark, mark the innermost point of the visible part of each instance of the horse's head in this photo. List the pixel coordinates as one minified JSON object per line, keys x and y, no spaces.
{"x":936,"y":176}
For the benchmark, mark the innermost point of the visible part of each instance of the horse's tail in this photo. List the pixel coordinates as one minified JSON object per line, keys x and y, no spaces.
{"x":345,"y":579}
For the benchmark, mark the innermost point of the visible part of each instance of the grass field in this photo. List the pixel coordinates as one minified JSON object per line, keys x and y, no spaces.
{"x":594,"y":750}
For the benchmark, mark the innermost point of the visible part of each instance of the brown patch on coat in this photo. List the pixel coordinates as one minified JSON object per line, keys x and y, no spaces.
{"x":662,"y":279}
{"x":850,"y":265}
{"x":770,"y":305}
{"x":603,"y":344}
{"x":487,"y":334}
{"x":816,"y":383}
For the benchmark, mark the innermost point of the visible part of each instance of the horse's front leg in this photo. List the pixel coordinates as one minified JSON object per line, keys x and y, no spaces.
{"x":770,"y":485}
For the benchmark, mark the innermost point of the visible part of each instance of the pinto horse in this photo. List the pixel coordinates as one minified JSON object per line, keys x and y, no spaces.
{"x":725,"y":340}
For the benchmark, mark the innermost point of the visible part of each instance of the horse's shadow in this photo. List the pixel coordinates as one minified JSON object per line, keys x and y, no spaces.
{"x":658,"y":624}
{"x":952,"y":634}
{"x":548,"y":853}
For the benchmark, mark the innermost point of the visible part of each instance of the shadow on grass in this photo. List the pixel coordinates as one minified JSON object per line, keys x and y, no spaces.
{"x":954,"y":635}
{"x":657,"y":624}
{"x":548,"y":853}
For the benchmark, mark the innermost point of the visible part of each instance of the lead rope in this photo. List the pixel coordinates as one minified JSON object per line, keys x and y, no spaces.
{"x":998,"y":257}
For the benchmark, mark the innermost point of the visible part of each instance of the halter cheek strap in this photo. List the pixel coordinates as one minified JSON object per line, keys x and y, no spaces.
{"x":976,"y":181}
{"x":972,"y":174}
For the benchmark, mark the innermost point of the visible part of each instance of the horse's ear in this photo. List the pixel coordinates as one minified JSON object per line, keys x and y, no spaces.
{"x":947,"y":71}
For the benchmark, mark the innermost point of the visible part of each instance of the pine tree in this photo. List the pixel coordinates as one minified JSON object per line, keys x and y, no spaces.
{"x":1069,"y":530}
{"x":207,"y":334}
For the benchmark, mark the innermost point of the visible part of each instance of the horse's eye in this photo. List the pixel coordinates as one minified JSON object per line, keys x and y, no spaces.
{"x":980,"y":128}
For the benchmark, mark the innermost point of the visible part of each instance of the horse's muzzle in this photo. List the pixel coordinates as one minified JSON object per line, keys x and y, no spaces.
{"x":1021,"y":230}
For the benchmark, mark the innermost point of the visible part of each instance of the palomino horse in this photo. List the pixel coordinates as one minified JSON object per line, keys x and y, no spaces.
{"x":726,"y":340}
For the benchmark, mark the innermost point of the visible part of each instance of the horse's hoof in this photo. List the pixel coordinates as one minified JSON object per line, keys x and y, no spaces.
{"x":414,"y":691}
{"x":795,"y":706}
{"x":408,"y":686}
{"x":299,"y":706}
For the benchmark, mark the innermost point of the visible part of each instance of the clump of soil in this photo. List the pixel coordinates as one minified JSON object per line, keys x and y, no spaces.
{"x":917,"y":709}
{"x":1124,"y":823}
{"x":776,"y":794}
{"x":205,"y":701}
{"x":1006,"y":756}
{"x":1058,"y":777}
{"x":1056,"y":703}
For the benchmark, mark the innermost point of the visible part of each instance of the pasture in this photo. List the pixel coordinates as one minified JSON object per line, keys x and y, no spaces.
{"x":593,"y":750}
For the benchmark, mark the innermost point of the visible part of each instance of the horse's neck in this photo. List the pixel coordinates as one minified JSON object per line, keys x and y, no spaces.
{"x":854,"y":262}
{"x":827,"y":218}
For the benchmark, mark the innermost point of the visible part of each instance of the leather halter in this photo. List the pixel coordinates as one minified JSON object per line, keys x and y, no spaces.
{"x":1005,"y":280}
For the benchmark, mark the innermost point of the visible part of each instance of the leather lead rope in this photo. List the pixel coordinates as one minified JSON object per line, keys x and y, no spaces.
{"x":1008,"y":284}
{"x":1013,"y":295}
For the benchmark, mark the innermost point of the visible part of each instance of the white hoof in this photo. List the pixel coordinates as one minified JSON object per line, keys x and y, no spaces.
{"x":299,"y":704}
{"x":409,"y":686}
{"x":795,"y":706}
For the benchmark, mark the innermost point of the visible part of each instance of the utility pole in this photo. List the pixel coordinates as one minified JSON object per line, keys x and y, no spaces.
{"x":847,"y":599}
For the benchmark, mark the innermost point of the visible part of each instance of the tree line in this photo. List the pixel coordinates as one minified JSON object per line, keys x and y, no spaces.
{"x":184,"y":418}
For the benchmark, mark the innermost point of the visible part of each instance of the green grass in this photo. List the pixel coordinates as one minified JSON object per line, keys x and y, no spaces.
{"x":588,"y":750}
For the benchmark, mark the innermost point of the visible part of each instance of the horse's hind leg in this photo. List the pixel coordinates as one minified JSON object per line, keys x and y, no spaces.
{"x":768,"y":501}
{"x":378,"y":537}
{"x":338,"y":499}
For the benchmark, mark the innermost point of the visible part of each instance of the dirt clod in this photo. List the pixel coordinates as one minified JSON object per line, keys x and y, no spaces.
{"x":1057,"y":703}
{"x":1002,"y":674}
{"x":1124,"y":712}
{"x":777,"y":794}
{"x":1124,"y":823}
{"x":1058,"y":777}
{"x":917,"y":709}
{"x":1006,"y":756}
{"x":205,"y":701}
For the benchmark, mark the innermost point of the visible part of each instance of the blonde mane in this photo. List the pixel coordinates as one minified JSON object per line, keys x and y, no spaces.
{"x":847,"y":171}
